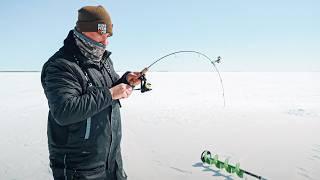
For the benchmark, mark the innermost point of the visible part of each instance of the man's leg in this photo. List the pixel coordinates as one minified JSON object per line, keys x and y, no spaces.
{"x":62,"y":174}
{"x":98,"y":173}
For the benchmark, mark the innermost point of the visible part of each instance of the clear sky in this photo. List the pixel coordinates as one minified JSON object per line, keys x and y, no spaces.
{"x":250,"y":35}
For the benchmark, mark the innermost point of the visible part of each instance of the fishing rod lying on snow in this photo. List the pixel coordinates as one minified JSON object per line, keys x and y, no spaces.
{"x":145,"y":86}
{"x":207,"y":158}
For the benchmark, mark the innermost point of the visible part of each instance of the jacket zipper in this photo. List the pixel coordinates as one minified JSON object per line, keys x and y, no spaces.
{"x":110,"y":141}
{"x":103,"y":75}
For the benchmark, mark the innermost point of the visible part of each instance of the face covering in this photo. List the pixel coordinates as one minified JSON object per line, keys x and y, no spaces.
{"x":88,"y":47}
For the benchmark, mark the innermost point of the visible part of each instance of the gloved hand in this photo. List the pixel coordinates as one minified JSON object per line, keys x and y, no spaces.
{"x":133,"y":78}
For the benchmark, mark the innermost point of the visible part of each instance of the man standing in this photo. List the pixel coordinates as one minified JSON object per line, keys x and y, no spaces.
{"x":83,"y":92}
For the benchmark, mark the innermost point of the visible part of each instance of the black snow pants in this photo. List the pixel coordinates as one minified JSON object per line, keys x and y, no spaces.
{"x":99,"y":173}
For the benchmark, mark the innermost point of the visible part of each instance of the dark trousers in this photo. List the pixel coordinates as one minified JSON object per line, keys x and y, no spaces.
{"x":99,"y":173}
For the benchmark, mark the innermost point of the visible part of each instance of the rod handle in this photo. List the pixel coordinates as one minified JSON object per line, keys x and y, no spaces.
{"x":145,"y":70}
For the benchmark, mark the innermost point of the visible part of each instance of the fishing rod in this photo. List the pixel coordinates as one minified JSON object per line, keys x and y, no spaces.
{"x":207,"y":158}
{"x":145,"y":86}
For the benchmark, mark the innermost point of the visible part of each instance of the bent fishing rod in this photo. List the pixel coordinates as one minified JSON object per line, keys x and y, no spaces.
{"x":145,"y":86}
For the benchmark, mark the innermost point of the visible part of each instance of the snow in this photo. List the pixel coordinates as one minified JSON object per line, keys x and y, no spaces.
{"x":270,"y":124}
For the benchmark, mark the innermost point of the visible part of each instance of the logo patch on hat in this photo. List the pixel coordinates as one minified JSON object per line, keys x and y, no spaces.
{"x":102,"y":28}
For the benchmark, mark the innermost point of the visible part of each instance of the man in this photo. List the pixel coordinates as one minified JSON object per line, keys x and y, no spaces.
{"x":83,"y":92}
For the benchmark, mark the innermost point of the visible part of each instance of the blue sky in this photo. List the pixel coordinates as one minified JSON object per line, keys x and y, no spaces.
{"x":249,"y":35}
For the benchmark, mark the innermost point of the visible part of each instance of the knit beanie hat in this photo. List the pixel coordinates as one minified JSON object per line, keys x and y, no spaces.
{"x":94,"y":19}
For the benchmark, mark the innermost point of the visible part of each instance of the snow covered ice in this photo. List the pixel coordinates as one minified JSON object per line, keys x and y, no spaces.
{"x":270,"y":125}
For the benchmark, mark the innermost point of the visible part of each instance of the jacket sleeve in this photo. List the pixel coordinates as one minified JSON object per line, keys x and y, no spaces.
{"x":123,"y":79}
{"x":66,"y":101}
{"x":117,"y":78}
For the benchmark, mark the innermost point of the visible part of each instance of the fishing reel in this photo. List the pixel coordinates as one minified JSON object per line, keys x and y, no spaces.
{"x":144,"y":86}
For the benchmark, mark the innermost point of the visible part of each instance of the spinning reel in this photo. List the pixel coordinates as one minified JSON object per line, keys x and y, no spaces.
{"x":144,"y":86}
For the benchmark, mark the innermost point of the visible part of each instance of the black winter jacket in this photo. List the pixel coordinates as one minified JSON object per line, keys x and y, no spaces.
{"x":84,"y":124}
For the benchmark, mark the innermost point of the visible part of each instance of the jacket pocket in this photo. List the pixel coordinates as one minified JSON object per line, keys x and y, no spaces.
{"x":88,"y":129}
{"x":80,"y":133}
